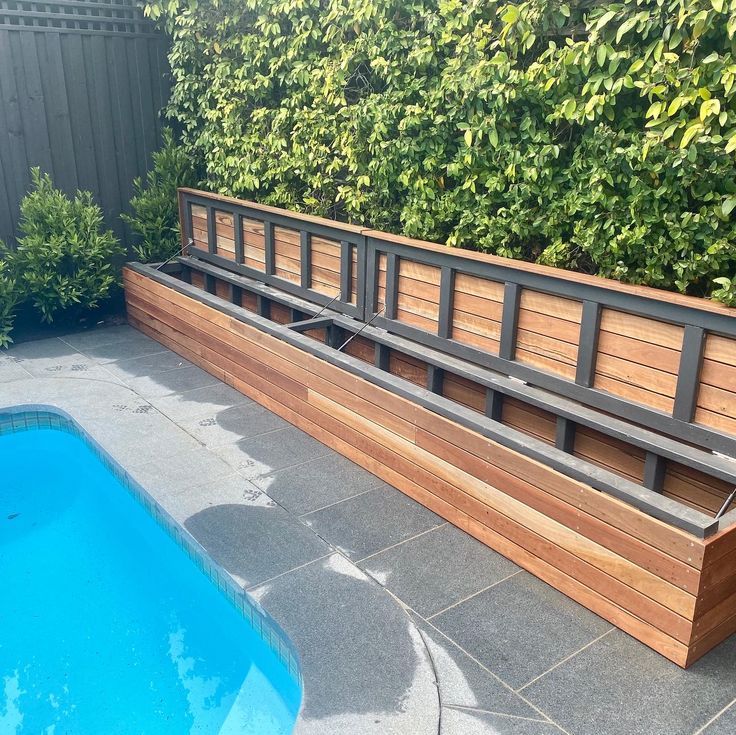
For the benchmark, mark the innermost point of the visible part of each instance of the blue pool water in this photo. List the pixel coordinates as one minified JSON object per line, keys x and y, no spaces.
{"x":106,"y":625}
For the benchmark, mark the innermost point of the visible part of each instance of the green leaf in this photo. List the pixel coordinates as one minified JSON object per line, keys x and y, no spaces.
{"x":625,"y":27}
{"x":729,"y":203}
{"x":674,"y":106}
{"x":692,"y":130}
{"x":605,"y":19}
{"x":510,"y":14}
{"x":654,"y":109}
{"x":709,"y":107}
{"x":718,"y":5}
{"x":468,"y":138}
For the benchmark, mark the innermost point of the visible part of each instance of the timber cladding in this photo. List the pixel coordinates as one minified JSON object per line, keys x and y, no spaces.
{"x":560,"y":419}
{"x":636,"y":571}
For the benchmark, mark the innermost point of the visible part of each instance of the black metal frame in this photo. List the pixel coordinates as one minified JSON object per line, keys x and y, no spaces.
{"x":573,"y":402}
{"x":569,"y":413}
{"x":677,"y":424}
{"x":498,"y":385}
{"x":345,"y":239}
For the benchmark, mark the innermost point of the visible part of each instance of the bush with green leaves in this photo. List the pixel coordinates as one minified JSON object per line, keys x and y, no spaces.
{"x":594,"y":135}
{"x":64,"y":254}
{"x":9,"y":296}
{"x":155,"y":218}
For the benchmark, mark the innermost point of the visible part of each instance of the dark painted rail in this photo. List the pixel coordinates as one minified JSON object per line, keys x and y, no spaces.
{"x":473,"y":384}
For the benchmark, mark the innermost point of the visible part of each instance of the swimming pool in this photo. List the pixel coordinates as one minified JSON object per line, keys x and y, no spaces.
{"x":109,"y":623}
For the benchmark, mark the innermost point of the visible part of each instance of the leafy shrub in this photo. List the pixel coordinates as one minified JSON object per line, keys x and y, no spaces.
{"x":156,"y":214}
{"x":63,"y":256}
{"x":595,"y":135}
{"x":9,"y":296}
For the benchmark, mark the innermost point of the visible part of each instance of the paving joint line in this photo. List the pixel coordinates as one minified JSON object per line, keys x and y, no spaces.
{"x":401,"y":543}
{"x":254,"y":586}
{"x":564,"y":660}
{"x":475,"y":594}
{"x":714,"y":718}
{"x":495,"y":676}
{"x":338,"y":502}
{"x":465,"y":708}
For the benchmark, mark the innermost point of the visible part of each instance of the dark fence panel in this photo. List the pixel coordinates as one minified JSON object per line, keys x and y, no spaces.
{"x":81,"y":87}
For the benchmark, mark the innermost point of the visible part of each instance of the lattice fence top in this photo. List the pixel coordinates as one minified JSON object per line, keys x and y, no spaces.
{"x":101,"y":16}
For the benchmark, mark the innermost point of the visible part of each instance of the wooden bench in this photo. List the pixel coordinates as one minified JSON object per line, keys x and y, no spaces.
{"x":581,"y":427}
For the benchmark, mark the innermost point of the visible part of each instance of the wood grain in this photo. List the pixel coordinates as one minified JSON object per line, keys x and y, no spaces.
{"x":639,"y":573}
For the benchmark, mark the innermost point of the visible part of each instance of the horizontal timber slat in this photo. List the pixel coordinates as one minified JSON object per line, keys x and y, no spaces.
{"x":583,"y":425}
{"x":667,"y":642}
{"x":671,"y":537}
{"x":650,"y":442}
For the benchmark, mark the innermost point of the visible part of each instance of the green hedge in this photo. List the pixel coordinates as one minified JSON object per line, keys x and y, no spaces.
{"x":594,"y":135}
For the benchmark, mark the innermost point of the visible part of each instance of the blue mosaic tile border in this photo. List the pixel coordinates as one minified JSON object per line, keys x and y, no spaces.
{"x":24,"y":418}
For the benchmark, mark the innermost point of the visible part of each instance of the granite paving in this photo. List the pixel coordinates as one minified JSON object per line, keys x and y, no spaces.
{"x":403,"y":623}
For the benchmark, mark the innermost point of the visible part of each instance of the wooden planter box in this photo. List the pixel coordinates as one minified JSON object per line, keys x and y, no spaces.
{"x":581,"y":428}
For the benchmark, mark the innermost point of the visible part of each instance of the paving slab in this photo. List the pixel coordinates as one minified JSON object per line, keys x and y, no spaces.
{"x":466,"y":722}
{"x":171,"y":381}
{"x":619,"y":687}
{"x":370,"y":522}
{"x":463,"y":682}
{"x":182,"y":470}
{"x":520,"y":628}
{"x":136,"y":367}
{"x":193,"y":404}
{"x":367,"y":654}
{"x":254,"y":542}
{"x":53,"y":358}
{"x":263,"y":454}
{"x":318,"y":483}
{"x":11,"y":370}
{"x":52,"y":350}
{"x":114,"y":335}
{"x":230,"y":425}
{"x":437,"y":569}
{"x":102,"y":348}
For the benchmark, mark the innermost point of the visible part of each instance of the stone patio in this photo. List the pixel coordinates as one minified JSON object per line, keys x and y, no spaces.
{"x":403,"y":623}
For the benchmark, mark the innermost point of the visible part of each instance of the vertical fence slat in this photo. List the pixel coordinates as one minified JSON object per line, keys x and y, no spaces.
{"x":79,"y":108}
{"x":392,"y":285}
{"x":15,"y":165}
{"x":509,"y":320}
{"x":60,"y":127}
{"x":211,"y":229}
{"x":238,"y":236}
{"x":104,"y":144}
{"x":688,"y":374}
{"x":654,"y":469}
{"x":305,"y":250}
{"x":588,"y":343}
{"x":33,"y":112}
{"x":270,"y":248}
{"x":346,"y":271}
{"x":565,"y":434}
{"x":447,"y":289}
{"x":371,"y":283}
{"x":122,"y":114}
{"x":494,"y":404}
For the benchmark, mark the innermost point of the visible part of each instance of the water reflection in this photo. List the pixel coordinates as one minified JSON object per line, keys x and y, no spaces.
{"x":106,"y":626}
